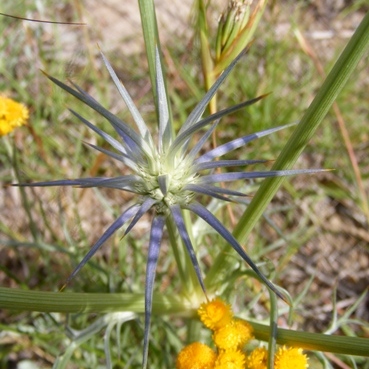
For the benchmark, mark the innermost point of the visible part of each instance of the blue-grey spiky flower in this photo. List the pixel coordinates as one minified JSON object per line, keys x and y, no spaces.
{"x":167,"y":176}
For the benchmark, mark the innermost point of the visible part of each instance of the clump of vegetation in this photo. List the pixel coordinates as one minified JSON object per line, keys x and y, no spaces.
{"x":46,"y":230}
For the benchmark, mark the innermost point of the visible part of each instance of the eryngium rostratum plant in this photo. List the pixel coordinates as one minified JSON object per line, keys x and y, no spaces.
{"x":168,"y":176}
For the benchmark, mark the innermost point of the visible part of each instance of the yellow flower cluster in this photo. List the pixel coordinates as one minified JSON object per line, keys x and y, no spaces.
{"x":12,"y":115}
{"x":290,"y":357}
{"x":215,"y":314}
{"x":285,"y":358}
{"x":196,"y":356}
{"x":257,"y":359}
{"x":229,"y":337}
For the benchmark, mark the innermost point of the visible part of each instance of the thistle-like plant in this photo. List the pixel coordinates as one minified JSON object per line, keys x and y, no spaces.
{"x":168,"y":176}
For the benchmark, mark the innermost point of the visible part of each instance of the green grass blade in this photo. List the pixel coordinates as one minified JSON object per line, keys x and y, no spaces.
{"x":152,"y":45}
{"x":151,"y":36}
{"x":315,"y":341}
{"x":315,"y":114}
{"x":64,"y":302}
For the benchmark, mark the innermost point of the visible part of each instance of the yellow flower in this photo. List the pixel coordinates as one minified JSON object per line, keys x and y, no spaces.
{"x":233,"y":359}
{"x":257,"y":359}
{"x":233,"y":336}
{"x":196,"y":356}
{"x":290,"y":358}
{"x":215,"y":313}
{"x":12,"y":115}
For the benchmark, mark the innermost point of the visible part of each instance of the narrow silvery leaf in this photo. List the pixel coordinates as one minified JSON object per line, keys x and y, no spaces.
{"x":225,"y":163}
{"x":165,"y":128}
{"x":145,"y":206}
{"x":178,"y":219}
{"x":205,"y":214}
{"x":195,"y":150}
{"x":82,"y":91}
{"x":237,"y":143}
{"x":120,"y":157}
{"x":208,"y":191}
{"x":152,"y":260}
{"x":112,"y":141}
{"x":129,"y":213}
{"x":186,"y":135}
{"x":135,"y":149}
{"x":163,"y":183}
{"x":132,"y":148}
{"x":127,"y":182}
{"x":234,"y":176}
{"x":63,"y":182}
{"x":200,"y":107}
{"x":225,"y":191}
{"x":107,"y":137}
{"x":114,"y":121}
{"x":141,"y":125}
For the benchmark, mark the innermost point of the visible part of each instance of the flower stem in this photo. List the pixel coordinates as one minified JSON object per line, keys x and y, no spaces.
{"x":186,"y":271}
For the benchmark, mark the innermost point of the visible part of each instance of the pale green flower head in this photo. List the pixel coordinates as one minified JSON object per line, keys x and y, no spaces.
{"x":168,"y":176}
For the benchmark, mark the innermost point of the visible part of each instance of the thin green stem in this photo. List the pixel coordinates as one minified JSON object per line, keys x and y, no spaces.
{"x":186,"y":270}
{"x":194,"y":328}
{"x":272,"y":341}
{"x":315,"y":341}
{"x":206,"y":58}
{"x":190,"y":270}
{"x":26,"y":204}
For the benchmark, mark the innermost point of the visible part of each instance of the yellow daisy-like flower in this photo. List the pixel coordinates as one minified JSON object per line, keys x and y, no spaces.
{"x":12,"y":115}
{"x":215,"y":314}
{"x":290,"y":358}
{"x":257,"y":359}
{"x":233,"y":359}
{"x":233,"y":336}
{"x":196,"y":356}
